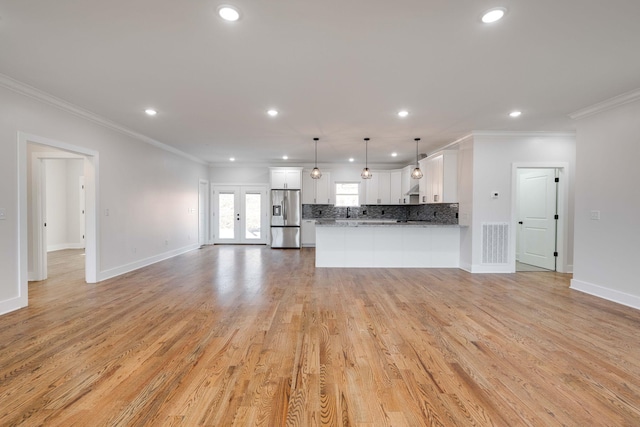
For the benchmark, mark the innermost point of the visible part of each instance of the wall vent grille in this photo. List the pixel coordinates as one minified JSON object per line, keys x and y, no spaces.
{"x":495,"y":243}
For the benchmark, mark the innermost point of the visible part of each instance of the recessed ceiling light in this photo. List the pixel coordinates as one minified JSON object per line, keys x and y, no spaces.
{"x":351,"y":159}
{"x":403,"y":113}
{"x":515,"y":113}
{"x":285,"y":157}
{"x":232,"y":159}
{"x":493,"y":15}
{"x":150,"y":112}
{"x":272,"y":112}
{"x":394,"y":154}
{"x":228,"y":13}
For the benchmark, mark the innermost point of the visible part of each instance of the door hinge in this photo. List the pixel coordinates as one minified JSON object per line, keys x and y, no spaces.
{"x":556,"y":217}
{"x":557,"y":179}
{"x":555,"y":254}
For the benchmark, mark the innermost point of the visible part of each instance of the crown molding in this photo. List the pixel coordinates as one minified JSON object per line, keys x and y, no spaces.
{"x":528,"y":134}
{"x":31,"y":92}
{"x":616,"y":101}
{"x":497,"y":133}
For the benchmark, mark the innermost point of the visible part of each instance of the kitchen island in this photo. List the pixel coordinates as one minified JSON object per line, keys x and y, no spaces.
{"x":385,"y":244}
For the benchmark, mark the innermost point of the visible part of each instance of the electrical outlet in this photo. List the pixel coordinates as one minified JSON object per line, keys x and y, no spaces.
{"x":595,"y":215}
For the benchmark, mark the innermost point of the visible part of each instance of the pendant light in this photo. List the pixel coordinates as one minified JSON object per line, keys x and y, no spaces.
{"x":366,"y":173}
{"x":417,"y":173}
{"x":315,"y":173}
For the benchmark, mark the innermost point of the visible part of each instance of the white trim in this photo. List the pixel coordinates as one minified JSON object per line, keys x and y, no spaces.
{"x":12,"y":304}
{"x":91,"y":163}
{"x":493,"y":269}
{"x":616,"y":101}
{"x":629,"y":300}
{"x":563,"y":208}
{"x":63,"y":246}
{"x":123,"y":269}
{"x":31,"y":92}
{"x":466,"y":267}
{"x":535,"y":134}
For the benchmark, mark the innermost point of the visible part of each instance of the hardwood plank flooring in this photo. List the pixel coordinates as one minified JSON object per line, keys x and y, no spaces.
{"x":250,"y":336}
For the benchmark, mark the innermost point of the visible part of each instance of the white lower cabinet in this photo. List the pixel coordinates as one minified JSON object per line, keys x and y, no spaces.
{"x":308,"y":233}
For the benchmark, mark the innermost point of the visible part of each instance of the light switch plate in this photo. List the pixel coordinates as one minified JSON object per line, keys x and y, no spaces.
{"x":3,"y":214}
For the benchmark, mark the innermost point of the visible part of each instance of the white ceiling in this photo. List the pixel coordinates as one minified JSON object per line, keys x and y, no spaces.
{"x":338,"y":70}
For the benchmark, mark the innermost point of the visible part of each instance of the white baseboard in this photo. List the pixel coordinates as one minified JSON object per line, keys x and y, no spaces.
{"x":12,"y":304}
{"x":629,"y":300}
{"x":117,"y":271}
{"x":495,"y":269}
{"x":465,"y":266}
{"x":63,"y":246}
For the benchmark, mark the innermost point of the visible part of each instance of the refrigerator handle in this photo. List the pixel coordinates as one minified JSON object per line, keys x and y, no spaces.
{"x":285,"y":201}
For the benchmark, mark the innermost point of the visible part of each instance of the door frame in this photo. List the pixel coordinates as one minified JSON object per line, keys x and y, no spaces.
{"x":562,"y":228}
{"x":203,"y":215}
{"x":264,"y":210}
{"x":39,"y":209}
{"x":91,"y":163}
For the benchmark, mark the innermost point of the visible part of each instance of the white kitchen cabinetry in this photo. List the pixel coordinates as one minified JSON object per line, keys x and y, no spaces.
{"x":441,"y":172}
{"x":308,"y":232}
{"x":316,"y":191}
{"x":378,"y":188}
{"x":407,"y":183}
{"x":286,"y":178}
{"x":424,"y":181}
{"x":395,"y":182}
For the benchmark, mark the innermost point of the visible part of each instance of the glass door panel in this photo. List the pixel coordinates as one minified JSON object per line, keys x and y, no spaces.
{"x":226,"y":215}
{"x":253,"y":216}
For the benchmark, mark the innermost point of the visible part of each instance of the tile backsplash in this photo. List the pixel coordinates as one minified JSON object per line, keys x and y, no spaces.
{"x":443,"y":213}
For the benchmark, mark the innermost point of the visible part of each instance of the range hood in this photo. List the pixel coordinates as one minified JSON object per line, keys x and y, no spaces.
{"x":413,"y":191}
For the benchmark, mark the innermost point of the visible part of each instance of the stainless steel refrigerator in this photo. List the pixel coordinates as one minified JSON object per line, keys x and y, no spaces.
{"x":286,"y":216}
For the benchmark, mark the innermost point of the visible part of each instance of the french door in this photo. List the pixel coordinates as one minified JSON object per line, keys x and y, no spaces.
{"x":239,"y":214}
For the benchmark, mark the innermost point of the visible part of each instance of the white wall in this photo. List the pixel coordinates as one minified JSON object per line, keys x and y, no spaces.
{"x":494,"y":155}
{"x":239,"y":174}
{"x":608,"y":181}
{"x":147,"y":190}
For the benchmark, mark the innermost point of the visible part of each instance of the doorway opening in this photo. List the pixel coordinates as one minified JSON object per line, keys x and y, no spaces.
{"x":57,"y":209}
{"x":239,"y":214}
{"x":67,"y":163}
{"x":538,"y":205}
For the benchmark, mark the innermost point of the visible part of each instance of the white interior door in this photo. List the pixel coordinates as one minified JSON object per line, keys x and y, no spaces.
{"x":239,"y":214}
{"x":537,"y":191}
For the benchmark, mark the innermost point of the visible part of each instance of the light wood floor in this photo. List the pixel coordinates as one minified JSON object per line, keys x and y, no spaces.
{"x":253,"y":336}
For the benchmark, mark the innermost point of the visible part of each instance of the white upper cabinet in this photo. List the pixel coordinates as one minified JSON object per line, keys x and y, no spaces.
{"x":316,"y":191}
{"x":441,"y":174}
{"x":323,"y":189}
{"x":378,"y":188}
{"x":286,"y":178}
{"x":395,"y":182}
{"x":407,"y":183}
